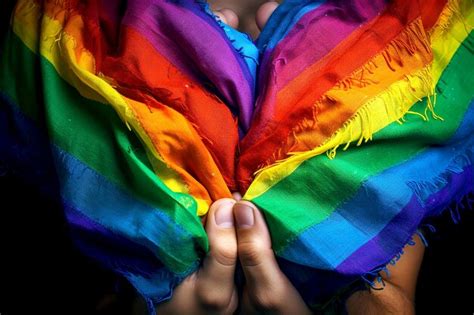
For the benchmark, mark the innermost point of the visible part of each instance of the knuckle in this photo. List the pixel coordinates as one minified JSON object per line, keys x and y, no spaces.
{"x":213,"y":301}
{"x":224,"y":253}
{"x":224,"y":250}
{"x":265,"y":301}
{"x":191,"y":278}
{"x":252,"y":253}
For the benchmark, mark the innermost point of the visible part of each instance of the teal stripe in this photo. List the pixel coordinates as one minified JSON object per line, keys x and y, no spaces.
{"x":306,"y":200}
{"x":93,"y":134}
{"x":381,"y":198}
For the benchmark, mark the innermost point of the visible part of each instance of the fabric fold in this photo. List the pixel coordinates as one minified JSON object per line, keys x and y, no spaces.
{"x":348,"y":123}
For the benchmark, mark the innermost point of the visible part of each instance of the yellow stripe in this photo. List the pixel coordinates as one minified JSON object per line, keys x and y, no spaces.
{"x":59,"y":48}
{"x":453,"y":26}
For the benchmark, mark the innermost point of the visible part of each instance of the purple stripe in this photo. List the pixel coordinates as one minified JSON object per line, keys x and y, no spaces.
{"x":383,"y":247}
{"x":312,"y":38}
{"x":324,"y":28}
{"x":190,"y":39}
{"x":110,"y":248}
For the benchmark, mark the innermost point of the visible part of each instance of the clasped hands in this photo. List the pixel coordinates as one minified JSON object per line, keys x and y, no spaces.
{"x":236,"y":231}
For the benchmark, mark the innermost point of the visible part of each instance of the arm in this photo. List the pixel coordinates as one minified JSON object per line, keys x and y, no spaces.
{"x":398,"y":295}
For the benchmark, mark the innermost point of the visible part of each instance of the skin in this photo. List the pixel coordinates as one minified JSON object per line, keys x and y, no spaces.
{"x":211,"y":290}
{"x":237,"y":231}
{"x":245,"y":15}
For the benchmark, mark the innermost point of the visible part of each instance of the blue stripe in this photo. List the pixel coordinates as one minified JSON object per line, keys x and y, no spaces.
{"x":328,"y":243}
{"x":144,"y":271}
{"x":279,"y":24}
{"x":395,"y":235}
{"x":24,"y":145}
{"x":241,"y":42}
{"x":130,"y":248}
{"x":116,"y":209}
{"x":282,"y":21}
{"x":110,"y":248}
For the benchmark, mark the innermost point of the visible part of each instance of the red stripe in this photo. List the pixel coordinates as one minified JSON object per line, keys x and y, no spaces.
{"x":274,"y":121}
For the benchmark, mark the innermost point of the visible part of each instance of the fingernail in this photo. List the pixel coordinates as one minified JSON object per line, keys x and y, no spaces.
{"x":237,"y":196}
{"x":243,"y":215}
{"x":224,"y":216}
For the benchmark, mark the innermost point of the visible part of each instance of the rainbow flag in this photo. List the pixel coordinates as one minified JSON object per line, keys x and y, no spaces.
{"x":349,"y":123}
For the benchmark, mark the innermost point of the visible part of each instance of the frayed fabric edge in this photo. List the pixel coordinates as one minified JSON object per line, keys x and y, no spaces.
{"x":374,"y":276}
{"x":370,"y":279}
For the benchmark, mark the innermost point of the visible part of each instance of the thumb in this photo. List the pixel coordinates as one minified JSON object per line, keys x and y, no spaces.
{"x":268,"y":290}
{"x":254,"y":246}
{"x":215,"y":283}
{"x":264,"y":13}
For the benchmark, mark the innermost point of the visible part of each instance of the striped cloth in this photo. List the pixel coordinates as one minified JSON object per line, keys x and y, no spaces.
{"x":349,"y":123}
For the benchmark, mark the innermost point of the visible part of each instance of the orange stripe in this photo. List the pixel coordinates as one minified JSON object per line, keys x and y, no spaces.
{"x":292,"y":124}
{"x":337,"y":105}
{"x":141,"y":73}
{"x":182,"y":150}
{"x":171,"y":134}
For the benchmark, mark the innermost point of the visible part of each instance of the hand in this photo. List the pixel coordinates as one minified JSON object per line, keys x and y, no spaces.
{"x":230,"y":17}
{"x":267,"y":289}
{"x":398,"y":294}
{"x":211,"y":290}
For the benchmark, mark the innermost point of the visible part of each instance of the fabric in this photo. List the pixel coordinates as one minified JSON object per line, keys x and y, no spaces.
{"x":349,"y":123}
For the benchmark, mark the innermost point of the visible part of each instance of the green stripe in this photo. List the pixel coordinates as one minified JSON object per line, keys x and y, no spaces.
{"x":93,"y":133}
{"x":319,"y":185}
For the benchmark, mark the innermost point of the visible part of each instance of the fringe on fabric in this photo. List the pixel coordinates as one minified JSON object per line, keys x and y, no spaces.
{"x":396,"y":101}
{"x":360,"y":127}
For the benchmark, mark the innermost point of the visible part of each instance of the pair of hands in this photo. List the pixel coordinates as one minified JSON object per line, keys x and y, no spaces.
{"x":236,"y":230}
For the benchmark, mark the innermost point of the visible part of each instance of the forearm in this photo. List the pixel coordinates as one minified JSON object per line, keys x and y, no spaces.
{"x":389,"y":300}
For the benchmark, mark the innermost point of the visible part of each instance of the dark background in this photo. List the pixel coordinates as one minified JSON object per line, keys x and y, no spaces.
{"x":41,"y":272}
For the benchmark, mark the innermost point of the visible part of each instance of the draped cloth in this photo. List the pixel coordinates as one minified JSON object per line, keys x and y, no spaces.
{"x":348,"y":123}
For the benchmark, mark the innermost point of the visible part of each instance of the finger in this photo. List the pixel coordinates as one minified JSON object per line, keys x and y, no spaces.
{"x":267,"y":288}
{"x":237,"y":196}
{"x":215,"y":283}
{"x":264,"y":12}
{"x":229,"y":17}
{"x":183,"y":298}
{"x":254,"y":245}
